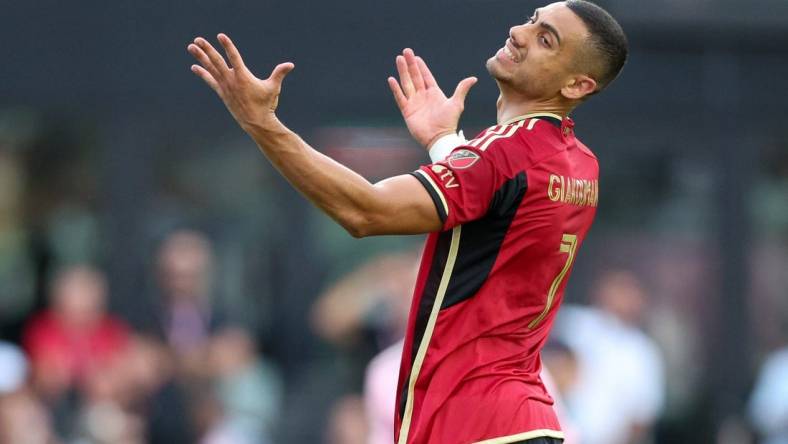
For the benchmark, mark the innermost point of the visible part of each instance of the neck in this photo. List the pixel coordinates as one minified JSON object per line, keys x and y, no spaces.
{"x":511,"y":105}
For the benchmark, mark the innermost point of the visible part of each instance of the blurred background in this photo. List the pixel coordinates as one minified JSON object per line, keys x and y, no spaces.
{"x":160,"y":283}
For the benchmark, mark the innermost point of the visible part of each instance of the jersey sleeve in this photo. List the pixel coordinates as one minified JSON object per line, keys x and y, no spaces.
{"x":462,"y":186}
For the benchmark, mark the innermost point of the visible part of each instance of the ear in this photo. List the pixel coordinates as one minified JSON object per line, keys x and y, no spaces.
{"x":579,"y":87}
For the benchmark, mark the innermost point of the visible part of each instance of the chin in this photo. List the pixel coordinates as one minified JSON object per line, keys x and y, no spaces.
{"x":497,"y":72}
{"x":494,"y":69}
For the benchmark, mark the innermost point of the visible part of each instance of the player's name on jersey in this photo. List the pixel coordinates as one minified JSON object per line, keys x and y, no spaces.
{"x":573,"y":191}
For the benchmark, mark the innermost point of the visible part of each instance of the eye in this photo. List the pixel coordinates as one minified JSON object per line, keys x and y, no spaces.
{"x":531,"y":20}
{"x":543,"y":40}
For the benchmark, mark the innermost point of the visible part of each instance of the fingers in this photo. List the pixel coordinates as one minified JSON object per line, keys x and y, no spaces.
{"x":413,"y":69}
{"x":207,"y":77}
{"x":426,"y":74}
{"x":216,"y":59}
{"x":399,"y":96}
{"x":232,"y":52}
{"x":404,"y":76}
{"x":279,"y":73}
{"x":462,"y":89}
{"x":203,"y":59}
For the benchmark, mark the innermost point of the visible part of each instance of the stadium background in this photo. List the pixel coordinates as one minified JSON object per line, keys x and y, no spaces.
{"x":108,"y":143}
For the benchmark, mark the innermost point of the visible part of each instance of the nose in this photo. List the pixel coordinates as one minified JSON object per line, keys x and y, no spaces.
{"x":517,"y":35}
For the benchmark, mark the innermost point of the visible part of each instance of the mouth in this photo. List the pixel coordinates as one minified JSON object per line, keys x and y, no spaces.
{"x":510,"y":52}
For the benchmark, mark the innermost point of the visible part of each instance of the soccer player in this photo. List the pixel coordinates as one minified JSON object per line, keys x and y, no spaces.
{"x":507,"y":212}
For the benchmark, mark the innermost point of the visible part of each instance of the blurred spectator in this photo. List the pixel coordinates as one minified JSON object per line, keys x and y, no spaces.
{"x":375,"y":298}
{"x":186,"y":316}
{"x":768,"y":406}
{"x":559,"y":375}
{"x":17,"y":272}
{"x":563,"y":366}
{"x":13,"y":368}
{"x":248,"y":388}
{"x":75,"y":337}
{"x":620,"y":389}
{"x":346,"y":423}
{"x":150,"y":390}
{"x":211,"y":426}
{"x":362,"y":313}
{"x":380,"y":394}
{"x":23,"y":419}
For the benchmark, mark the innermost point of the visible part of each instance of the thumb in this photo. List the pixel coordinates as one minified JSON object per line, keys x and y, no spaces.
{"x":281,"y":70}
{"x":462,"y":89}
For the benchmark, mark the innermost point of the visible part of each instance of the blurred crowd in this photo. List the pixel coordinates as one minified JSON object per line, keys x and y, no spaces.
{"x":83,"y":375}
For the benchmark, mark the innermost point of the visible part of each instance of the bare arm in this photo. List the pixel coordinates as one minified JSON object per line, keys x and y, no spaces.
{"x":398,"y":205}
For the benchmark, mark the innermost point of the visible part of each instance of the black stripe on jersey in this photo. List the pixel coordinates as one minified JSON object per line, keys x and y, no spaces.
{"x":435,"y":198}
{"x":426,"y":301}
{"x":482,"y":239}
{"x":479,"y":245}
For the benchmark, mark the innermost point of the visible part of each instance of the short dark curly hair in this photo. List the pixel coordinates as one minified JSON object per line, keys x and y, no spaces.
{"x":608,"y":43}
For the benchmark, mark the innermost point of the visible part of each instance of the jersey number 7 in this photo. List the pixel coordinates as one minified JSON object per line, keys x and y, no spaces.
{"x":568,"y":245}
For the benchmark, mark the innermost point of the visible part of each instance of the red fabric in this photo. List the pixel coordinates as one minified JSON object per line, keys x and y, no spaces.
{"x":50,"y":342}
{"x":479,"y":378}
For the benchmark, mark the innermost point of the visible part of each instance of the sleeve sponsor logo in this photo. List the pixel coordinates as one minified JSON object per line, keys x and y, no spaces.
{"x":445,"y":175}
{"x":462,"y":159}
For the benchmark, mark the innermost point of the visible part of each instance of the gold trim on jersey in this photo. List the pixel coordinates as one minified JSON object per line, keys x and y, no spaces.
{"x":509,"y":133}
{"x":541,"y":433}
{"x":502,"y":127}
{"x":531,"y":115}
{"x":425,"y":340}
{"x":437,"y":190}
{"x":475,"y":142}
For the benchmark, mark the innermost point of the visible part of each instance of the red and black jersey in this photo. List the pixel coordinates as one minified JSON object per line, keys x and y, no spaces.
{"x":516,"y":203}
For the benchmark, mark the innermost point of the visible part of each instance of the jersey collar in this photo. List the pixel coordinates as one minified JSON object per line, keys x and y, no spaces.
{"x":555,"y":119}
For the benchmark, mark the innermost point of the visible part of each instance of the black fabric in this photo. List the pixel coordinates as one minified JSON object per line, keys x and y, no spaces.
{"x":434,"y":195}
{"x":426,"y":301}
{"x":481,"y":241}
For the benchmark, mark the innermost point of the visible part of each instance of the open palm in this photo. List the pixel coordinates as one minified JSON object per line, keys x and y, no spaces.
{"x":427,"y":111}
{"x":251,"y":100}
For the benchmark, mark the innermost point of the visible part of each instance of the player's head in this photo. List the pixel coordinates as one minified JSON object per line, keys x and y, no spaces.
{"x":566,"y":51}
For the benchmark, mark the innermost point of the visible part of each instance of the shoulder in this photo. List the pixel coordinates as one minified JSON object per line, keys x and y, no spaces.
{"x":497,"y":136}
{"x":586,"y":150}
{"x":502,"y":145}
{"x":529,"y":139}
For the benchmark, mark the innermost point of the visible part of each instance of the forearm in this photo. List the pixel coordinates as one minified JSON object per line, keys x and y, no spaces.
{"x":343,"y":194}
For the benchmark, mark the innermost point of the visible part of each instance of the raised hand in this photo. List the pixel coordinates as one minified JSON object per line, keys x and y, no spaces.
{"x":251,"y":101}
{"x":428,"y":113}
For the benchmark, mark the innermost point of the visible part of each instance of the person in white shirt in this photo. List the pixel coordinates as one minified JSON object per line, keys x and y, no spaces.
{"x":620,"y":389}
{"x":768,"y":405}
